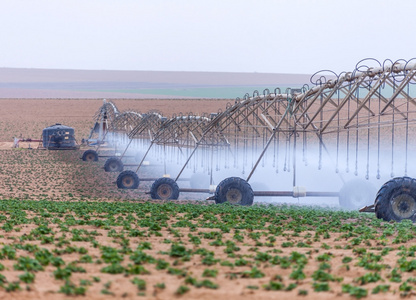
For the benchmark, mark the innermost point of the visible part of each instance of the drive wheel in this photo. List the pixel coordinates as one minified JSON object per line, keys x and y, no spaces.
{"x":128,"y":180}
{"x":164,"y":189}
{"x":113,"y":164}
{"x":396,"y":200}
{"x":90,"y":155}
{"x":234,"y":190}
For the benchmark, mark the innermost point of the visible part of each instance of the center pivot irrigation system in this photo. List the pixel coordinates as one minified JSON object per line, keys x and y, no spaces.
{"x":358,"y":125}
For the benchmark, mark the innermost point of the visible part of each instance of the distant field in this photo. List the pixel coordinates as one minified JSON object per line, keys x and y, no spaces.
{"x":38,"y":83}
{"x":199,"y":92}
{"x":129,"y":89}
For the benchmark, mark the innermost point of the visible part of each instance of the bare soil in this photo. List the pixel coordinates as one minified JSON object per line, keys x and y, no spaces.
{"x":61,"y":175}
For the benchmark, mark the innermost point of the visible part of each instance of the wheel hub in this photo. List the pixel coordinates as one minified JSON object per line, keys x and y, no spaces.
{"x":128,"y":181}
{"x":164,"y":191}
{"x":90,"y":157}
{"x":403,"y":206}
{"x":234,"y":196}
{"x":113,"y":166}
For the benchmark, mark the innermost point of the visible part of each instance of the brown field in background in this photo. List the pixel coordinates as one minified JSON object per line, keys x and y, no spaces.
{"x":54,"y":175}
{"x":27,"y":117}
{"x":62,"y":175}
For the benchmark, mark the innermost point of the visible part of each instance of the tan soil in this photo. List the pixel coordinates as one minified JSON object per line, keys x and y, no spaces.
{"x":27,"y":117}
{"x":46,"y":286}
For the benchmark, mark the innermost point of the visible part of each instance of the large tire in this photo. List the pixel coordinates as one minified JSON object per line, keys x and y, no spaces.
{"x":234,"y":190}
{"x":396,"y":200}
{"x":90,"y":155}
{"x":128,"y":180}
{"x":199,"y":181}
{"x":113,"y":164}
{"x":164,"y":189}
{"x":356,"y":194}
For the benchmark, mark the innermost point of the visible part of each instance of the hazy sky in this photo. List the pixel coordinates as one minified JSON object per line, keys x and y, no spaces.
{"x":293,"y":36}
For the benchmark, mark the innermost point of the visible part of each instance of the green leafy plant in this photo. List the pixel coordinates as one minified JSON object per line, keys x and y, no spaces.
{"x":274,"y":286}
{"x":367,"y":278}
{"x":27,"y":277}
{"x":71,"y":289}
{"x":114,"y":268}
{"x":210,"y":273}
{"x":182,"y":290}
{"x":161,"y":286}
{"x":25,"y":263}
{"x":12,"y":287}
{"x":140,"y":283}
{"x":253,"y":273}
{"x":320,"y":286}
{"x":354,"y":291}
{"x":384,"y":288}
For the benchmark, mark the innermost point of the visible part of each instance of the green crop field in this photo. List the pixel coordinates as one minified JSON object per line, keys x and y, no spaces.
{"x":171,"y":250}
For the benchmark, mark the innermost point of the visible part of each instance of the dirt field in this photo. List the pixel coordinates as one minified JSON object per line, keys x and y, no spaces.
{"x":32,"y":174}
{"x":86,"y":238}
{"x":27,"y":117}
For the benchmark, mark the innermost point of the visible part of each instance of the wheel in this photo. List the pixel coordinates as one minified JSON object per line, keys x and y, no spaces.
{"x":396,"y":200}
{"x":113,"y":164}
{"x":234,"y":190}
{"x":356,"y":194}
{"x":128,"y":180}
{"x":199,"y":181}
{"x":164,"y":189}
{"x":90,"y":155}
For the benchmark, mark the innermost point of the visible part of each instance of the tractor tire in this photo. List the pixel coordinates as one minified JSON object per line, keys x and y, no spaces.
{"x":128,"y":180}
{"x":356,"y":194}
{"x":199,"y":181}
{"x":396,"y":200}
{"x":234,"y":190}
{"x":113,"y":164}
{"x":164,"y":189}
{"x":90,"y":155}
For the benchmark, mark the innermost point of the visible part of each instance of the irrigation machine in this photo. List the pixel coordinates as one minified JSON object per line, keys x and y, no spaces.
{"x":110,"y":135}
{"x":356,"y":128}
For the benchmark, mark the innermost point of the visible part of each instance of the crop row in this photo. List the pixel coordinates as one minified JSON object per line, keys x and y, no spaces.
{"x":127,"y":248}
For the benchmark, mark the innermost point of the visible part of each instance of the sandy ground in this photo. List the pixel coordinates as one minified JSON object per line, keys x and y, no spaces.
{"x":27,"y":117}
{"x":57,"y":174}
{"x":46,"y":286}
